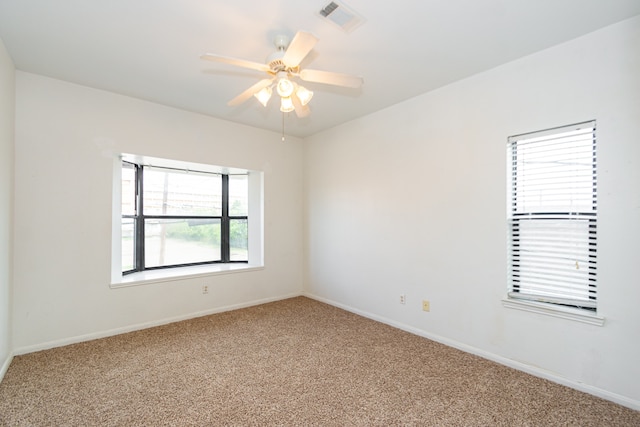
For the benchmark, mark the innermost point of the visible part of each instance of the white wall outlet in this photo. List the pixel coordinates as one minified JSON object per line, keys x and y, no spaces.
{"x":425,"y":305}
{"x":205,"y":289}
{"x":403,"y":299}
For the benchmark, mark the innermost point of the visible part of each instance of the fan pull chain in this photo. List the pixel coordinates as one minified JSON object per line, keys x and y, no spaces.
{"x":283,"y":126}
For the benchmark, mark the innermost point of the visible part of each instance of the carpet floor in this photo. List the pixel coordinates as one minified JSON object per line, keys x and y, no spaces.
{"x":296,"y":362}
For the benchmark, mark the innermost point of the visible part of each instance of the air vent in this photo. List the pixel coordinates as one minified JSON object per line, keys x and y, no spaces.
{"x":339,"y":14}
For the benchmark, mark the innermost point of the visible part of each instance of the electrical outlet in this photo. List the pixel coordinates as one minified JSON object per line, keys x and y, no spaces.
{"x":425,"y":305}
{"x":205,"y":289}
{"x":403,"y":299}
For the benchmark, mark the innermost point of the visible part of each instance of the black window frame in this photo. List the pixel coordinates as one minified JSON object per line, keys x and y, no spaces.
{"x":139,"y":219}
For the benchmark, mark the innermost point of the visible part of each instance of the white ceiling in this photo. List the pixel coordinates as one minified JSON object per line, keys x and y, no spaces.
{"x":150,"y":49}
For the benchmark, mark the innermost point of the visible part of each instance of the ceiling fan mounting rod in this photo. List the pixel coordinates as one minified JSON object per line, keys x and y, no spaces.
{"x":281,"y":42}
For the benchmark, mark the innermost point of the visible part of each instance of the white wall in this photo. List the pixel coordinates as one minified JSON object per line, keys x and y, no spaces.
{"x":412,"y":200}
{"x":66,"y":137}
{"x":7,"y":109}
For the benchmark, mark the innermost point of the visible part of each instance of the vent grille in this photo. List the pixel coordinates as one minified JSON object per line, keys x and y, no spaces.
{"x":339,"y":14}
{"x":328,"y":9}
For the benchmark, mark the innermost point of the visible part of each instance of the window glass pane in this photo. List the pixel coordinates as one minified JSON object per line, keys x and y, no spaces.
{"x":128,"y":244}
{"x":181,"y":241}
{"x":174,"y":192}
{"x":555,"y":175}
{"x":238,"y":240}
{"x":553,"y":258}
{"x":238,"y":195}
{"x":128,"y":189}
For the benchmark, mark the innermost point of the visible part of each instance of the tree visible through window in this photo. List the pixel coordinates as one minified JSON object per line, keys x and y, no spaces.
{"x":174,"y":217}
{"x":553,"y":216}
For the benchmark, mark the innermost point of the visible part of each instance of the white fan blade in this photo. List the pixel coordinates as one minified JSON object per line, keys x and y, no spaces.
{"x":235,"y":61}
{"x":249,"y":92}
{"x":299,"y":47}
{"x":301,"y":110}
{"x":329,"y":78}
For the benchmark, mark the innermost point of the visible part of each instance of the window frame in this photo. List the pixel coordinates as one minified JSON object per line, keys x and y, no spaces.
{"x":255,"y":226}
{"x":140,"y":221}
{"x":517,"y":217}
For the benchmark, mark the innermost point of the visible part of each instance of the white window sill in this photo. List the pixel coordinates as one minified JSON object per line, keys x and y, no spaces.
{"x":555,"y":311}
{"x":173,"y":274}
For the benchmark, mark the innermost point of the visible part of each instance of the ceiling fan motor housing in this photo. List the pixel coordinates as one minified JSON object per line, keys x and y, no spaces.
{"x":281,"y":42}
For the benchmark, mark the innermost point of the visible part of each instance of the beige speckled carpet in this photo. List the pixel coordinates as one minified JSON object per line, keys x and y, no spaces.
{"x":296,"y":362}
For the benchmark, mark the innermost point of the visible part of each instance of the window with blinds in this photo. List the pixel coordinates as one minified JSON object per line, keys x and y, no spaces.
{"x":553,"y":216}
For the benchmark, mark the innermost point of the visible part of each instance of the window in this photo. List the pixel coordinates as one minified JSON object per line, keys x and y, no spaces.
{"x":553,"y":217}
{"x":173,"y":217}
{"x":173,"y":220}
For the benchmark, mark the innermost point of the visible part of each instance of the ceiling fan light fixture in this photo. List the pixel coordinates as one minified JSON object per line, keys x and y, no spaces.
{"x":304,"y":95}
{"x":284,"y":65}
{"x":264,"y":95}
{"x":285,"y":87}
{"x":286,"y":104}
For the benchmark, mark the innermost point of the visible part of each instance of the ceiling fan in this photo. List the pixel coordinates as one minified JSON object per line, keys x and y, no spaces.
{"x":282,"y":66}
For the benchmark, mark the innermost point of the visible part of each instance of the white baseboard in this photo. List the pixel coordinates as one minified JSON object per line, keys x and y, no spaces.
{"x":5,"y":366}
{"x":535,"y":371}
{"x":146,"y":325}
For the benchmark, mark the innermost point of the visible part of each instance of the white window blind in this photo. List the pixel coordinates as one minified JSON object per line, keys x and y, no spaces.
{"x":553,"y":215}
